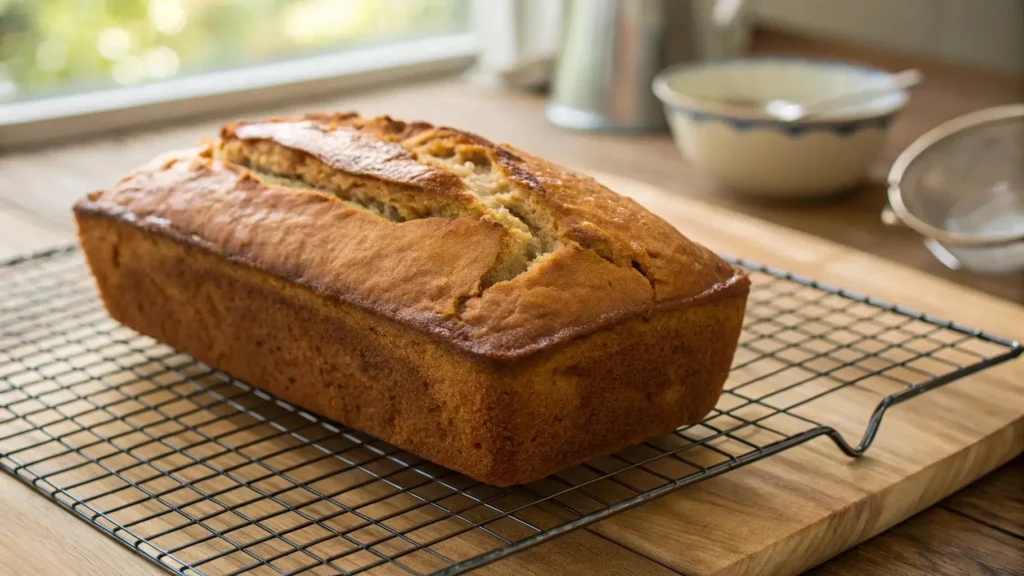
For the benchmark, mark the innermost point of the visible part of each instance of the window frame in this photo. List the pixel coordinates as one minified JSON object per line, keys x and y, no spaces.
{"x":62,"y":118}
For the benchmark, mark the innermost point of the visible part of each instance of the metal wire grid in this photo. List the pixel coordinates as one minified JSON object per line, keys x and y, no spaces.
{"x":203,"y":474}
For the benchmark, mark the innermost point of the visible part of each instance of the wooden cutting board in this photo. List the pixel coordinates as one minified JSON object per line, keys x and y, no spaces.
{"x":781,"y":515}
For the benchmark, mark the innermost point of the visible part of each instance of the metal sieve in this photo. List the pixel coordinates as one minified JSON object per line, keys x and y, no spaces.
{"x":961,"y":185}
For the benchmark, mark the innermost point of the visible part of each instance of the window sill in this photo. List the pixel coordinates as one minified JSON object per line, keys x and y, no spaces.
{"x":46,"y":120}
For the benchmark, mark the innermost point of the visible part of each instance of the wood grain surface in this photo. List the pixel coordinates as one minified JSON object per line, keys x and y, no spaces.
{"x":937,"y":542}
{"x":782,"y":515}
{"x":996,"y":500}
{"x":38,"y":538}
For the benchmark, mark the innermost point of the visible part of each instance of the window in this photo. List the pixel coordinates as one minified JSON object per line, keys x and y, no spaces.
{"x":60,"y":47}
{"x":70,"y":68}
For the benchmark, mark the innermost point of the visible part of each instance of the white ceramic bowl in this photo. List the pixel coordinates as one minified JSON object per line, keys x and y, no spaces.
{"x":750,"y":151}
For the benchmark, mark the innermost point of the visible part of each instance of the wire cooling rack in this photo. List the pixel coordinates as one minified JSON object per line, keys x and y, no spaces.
{"x":202,"y":474}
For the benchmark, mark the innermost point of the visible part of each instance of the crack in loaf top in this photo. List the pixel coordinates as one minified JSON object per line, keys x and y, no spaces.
{"x":502,"y":252}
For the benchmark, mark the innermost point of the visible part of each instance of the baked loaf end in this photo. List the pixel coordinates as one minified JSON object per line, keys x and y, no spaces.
{"x":465,"y":301}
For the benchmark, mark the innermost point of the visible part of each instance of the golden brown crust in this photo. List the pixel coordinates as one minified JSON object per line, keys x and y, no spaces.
{"x":308,"y":237}
{"x":584,"y":212}
{"x":464,"y":301}
{"x":352,"y":151}
{"x":526,"y":254}
{"x":499,"y":421}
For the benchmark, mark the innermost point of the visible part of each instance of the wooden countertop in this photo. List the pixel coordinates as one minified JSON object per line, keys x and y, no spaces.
{"x":980,"y":528}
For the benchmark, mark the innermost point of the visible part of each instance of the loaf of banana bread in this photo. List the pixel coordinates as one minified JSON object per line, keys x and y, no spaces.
{"x":465,"y":301}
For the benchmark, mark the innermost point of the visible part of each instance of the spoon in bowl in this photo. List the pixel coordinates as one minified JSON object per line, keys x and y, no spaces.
{"x":788,"y":111}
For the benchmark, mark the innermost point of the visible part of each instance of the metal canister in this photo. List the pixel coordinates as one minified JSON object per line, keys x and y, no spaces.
{"x":612,"y":50}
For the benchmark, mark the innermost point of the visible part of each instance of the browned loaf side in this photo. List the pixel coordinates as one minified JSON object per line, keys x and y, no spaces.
{"x":465,"y":301}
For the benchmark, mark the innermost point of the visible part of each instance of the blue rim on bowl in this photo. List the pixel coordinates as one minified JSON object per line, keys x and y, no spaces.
{"x":744,"y":117}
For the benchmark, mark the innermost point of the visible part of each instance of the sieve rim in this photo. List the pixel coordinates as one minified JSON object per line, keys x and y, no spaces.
{"x":935,"y":135}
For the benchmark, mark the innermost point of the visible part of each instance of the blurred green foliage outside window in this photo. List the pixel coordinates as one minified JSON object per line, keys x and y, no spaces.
{"x":60,"y":46}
